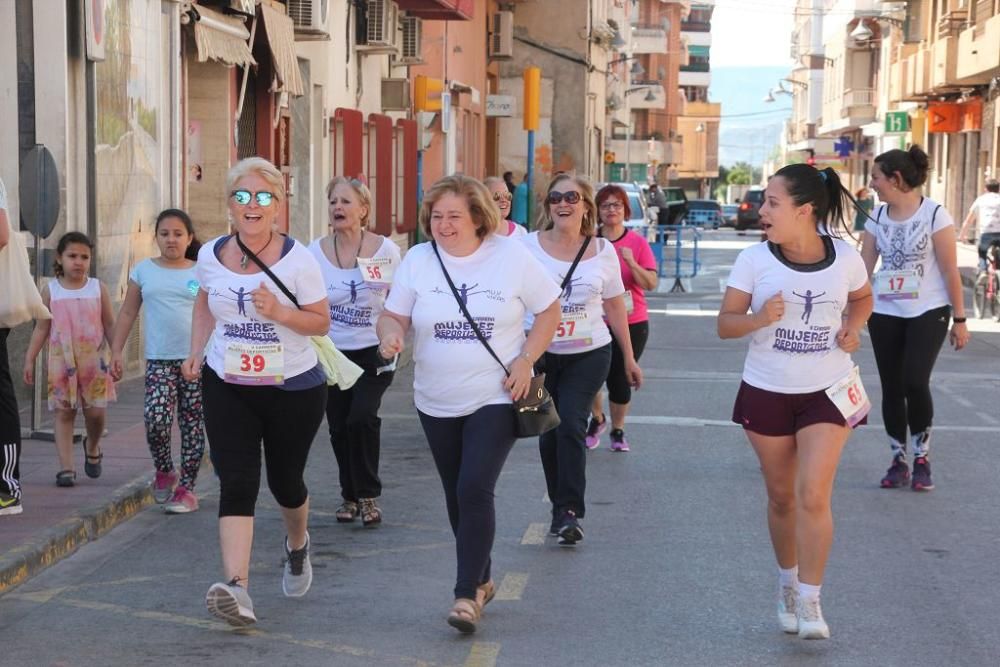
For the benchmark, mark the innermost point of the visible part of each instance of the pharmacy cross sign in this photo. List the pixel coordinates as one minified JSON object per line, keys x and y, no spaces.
{"x":844,"y":147}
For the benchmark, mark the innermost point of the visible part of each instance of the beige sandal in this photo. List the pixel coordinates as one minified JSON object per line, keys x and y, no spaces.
{"x":485,"y":593}
{"x":464,"y":615}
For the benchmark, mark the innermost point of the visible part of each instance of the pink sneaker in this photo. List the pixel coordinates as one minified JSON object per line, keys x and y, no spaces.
{"x":163,"y":486}
{"x":594,"y":431}
{"x":182,"y":502}
{"x":618,"y":441}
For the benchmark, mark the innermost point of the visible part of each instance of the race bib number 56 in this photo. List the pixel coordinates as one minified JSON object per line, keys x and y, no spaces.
{"x":255,"y":363}
{"x":377,"y":270}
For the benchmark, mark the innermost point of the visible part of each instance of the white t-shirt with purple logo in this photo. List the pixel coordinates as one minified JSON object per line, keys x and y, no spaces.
{"x":236,"y":320}
{"x":595,"y":279}
{"x":799,"y":353}
{"x":354,"y":303}
{"x":454,"y":375}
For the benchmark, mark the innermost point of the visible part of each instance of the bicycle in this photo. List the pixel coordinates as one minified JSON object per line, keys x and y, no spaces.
{"x":986,"y":292}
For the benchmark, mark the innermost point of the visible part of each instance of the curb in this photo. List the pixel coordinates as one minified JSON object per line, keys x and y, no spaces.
{"x":25,"y":561}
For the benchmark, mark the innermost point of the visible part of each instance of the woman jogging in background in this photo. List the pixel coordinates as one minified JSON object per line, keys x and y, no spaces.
{"x":801,"y":393}
{"x":638,"y":266}
{"x":917,"y":289}
{"x":504,"y":200}
{"x":358,"y":267}
{"x":167,"y":285}
{"x":79,"y":366}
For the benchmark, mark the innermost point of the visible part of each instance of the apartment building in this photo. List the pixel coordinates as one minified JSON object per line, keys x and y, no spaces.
{"x":698,"y":125}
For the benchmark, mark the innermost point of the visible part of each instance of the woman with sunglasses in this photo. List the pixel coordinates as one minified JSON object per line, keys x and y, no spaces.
{"x":358,"y":267}
{"x":577,"y":361}
{"x":504,"y":199}
{"x":261,"y":379}
{"x":638,"y":266}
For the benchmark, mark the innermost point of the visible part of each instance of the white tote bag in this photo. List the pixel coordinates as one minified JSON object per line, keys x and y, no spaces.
{"x":19,"y":298}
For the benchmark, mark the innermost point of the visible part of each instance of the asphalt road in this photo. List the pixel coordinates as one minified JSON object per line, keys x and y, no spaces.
{"x":676,"y":567}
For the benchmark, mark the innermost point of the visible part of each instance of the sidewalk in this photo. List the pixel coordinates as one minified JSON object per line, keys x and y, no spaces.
{"x":968,"y":262}
{"x":58,"y":521}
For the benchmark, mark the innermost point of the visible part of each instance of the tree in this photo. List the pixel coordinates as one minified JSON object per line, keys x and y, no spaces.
{"x":741,"y":173}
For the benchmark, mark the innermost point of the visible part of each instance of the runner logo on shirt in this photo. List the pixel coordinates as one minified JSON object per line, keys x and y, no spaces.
{"x":253,"y":331}
{"x":460,"y":330}
{"x":575,"y":285}
{"x":350,"y":314}
{"x":798,"y":335}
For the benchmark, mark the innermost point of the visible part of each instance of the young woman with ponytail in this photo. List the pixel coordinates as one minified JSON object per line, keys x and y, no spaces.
{"x":802,"y":298}
{"x":916,"y":288}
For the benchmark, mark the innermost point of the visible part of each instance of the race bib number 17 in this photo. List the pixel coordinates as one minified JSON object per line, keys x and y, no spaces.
{"x":893,"y":285}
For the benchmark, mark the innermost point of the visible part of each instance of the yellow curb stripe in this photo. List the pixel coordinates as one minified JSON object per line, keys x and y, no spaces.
{"x":512,"y":587}
{"x":535,"y":534}
{"x":483,"y":654}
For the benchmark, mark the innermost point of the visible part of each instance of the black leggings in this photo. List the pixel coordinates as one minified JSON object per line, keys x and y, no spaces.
{"x":905,"y":351}
{"x":10,"y":427}
{"x":355,"y":427}
{"x":469,"y":453}
{"x":238,"y":418}
{"x":619,"y":390}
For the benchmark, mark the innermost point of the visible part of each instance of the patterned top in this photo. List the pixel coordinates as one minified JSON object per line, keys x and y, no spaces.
{"x":79,"y":372}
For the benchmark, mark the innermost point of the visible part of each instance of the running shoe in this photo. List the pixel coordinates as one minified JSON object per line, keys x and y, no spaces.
{"x":163,"y":486}
{"x":556,"y":522}
{"x":618,"y":441}
{"x":811,"y":622}
{"x":897,"y":475}
{"x":231,"y":603}
{"x":570,"y":531}
{"x":182,"y":502}
{"x":298,"y":574}
{"x":594,"y":430}
{"x":787,"y":604}
{"x":10,"y":504}
{"x":921,"y":475}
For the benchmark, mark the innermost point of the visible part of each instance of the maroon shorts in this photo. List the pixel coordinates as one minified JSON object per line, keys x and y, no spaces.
{"x":774,"y":414}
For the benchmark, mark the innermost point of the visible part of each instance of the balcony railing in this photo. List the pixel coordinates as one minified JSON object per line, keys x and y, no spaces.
{"x":858,"y":97}
{"x":696,"y":26}
{"x":952,"y":23}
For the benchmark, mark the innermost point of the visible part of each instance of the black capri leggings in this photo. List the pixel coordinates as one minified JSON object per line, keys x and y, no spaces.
{"x":619,"y":390}
{"x":905,"y":351}
{"x":238,"y":418}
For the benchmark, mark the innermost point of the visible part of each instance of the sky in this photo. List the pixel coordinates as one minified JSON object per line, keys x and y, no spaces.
{"x":751,"y":33}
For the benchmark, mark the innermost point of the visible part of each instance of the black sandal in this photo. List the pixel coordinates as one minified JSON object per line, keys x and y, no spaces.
{"x":93,"y":470}
{"x":66,"y":478}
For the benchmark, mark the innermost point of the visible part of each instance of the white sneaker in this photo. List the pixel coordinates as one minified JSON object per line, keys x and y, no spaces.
{"x":298,"y":576}
{"x":811,"y":623}
{"x":231,"y":603}
{"x":787,"y":603}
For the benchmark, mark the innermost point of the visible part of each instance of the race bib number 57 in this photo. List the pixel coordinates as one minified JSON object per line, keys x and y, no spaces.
{"x":255,"y":363}
{"x":574,"y":330}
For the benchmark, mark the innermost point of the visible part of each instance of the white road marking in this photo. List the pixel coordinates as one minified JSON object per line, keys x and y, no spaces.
{"x":654,"y":420}
{"x":513,"y":585}
{"x":989,"y":419}
{"x":483,"y":654}
{"x":535,"y":534}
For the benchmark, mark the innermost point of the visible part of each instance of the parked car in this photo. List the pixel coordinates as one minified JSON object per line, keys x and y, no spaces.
{"x":641,"y":217}
{"x":749,"y":214}
{"x":704,"y":213}
{"x":729,"y":212}
{"x":677,"y":207}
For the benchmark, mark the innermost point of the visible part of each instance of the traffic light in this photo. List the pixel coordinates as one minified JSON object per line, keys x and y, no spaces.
{"x":427,"y":93}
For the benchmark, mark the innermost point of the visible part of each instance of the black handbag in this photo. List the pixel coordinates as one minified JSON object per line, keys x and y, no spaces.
{"x":536,"y":413}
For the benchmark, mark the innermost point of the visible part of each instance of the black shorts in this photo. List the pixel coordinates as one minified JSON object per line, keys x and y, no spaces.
{"x":773,"y":414}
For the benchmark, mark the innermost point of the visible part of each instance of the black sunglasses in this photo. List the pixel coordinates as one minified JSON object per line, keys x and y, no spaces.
{"x":571,"y":197}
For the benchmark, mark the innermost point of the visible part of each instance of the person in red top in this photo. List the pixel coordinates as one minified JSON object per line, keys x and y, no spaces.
{"x":639,"y":275}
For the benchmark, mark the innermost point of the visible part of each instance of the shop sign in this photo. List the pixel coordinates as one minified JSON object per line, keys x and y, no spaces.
{"x":500,"y":105}
{"x":897,"y":121}
{"x":944,"y":117}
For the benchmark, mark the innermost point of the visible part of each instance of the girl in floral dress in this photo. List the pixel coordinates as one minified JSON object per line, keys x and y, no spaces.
{"x":79,"y":369}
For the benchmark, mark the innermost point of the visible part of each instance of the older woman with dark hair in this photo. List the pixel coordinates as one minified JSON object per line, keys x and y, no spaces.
{"x":462,"y":394}
{"x":638,"y":267}
{"x":261,"y":379}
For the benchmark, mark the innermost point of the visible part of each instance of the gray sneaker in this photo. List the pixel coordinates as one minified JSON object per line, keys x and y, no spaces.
{"x":231,"y":603}
{"x":298,"y":574}
{"x":812,"y":625}
{"x":787,"y":610}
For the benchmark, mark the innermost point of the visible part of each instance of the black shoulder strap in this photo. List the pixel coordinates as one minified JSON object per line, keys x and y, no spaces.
{"x":934,"y":216}
{"x":576,"y":260}
{"x":465,"y":311}
{"x":878,"y":216}
{"x":270,"y":274}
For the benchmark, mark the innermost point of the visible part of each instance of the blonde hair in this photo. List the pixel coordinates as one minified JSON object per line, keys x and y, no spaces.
{"x":261,"y":167}
{"x":359,"y":188}
{"x":490,"y":181}
{"x":483,"y":210}
{"x":588,"y":227}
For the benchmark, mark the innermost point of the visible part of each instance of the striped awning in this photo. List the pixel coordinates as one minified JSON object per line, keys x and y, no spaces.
{"x":220,"y":37}
{"x":280,"y":32}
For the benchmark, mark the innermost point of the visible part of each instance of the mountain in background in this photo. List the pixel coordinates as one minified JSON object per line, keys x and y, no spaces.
{"x":750,"y":128}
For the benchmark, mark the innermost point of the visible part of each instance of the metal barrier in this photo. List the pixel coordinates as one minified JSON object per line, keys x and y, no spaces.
{"x":684,"y":264}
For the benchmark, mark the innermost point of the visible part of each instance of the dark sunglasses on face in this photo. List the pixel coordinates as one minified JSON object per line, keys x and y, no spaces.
{"x":502,"y":196}
{"x":571,"y":197}
{"x":243,"y":197}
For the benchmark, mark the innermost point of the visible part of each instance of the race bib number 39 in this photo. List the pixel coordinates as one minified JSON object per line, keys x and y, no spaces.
{"x":376,"y":270}
{"x":255,"y":363}
{"x":850,"y":397}
{"x":893,"y":285}
{"x":574,"y":330}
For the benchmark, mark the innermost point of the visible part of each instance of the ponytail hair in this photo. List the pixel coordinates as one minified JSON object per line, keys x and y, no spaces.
{"x":912,"y":166}
{"x":195,"y":245}
{"x":823,"y":189}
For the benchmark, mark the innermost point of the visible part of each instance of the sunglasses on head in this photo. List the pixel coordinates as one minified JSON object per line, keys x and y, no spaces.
{"x":571,"y":197}
{"x":502,"y":196}
{"x":243,"y":197}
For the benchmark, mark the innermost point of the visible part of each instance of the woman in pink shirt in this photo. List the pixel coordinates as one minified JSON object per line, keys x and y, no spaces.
{"x":639,"y":274}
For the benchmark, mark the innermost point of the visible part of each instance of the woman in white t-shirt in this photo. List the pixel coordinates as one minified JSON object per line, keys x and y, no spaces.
{"x":358,"y":266}
{"x":916,"y":289}
{"x":577,"y":362}
{"x":461,"y":392}
{"x":808,"y":297}
{"x":261,"y":379}
{"x":502,"y":196}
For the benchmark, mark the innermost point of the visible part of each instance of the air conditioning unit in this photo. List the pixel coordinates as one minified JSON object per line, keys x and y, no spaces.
{"x":309,"y":18}
{"x":380,"y":28}
{"x":395,"y":94}
{"x":411,"y":46}
{"x":502,"y":36}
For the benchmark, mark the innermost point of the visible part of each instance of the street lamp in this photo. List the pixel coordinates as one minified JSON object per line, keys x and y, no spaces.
{"x":862,"y":33}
